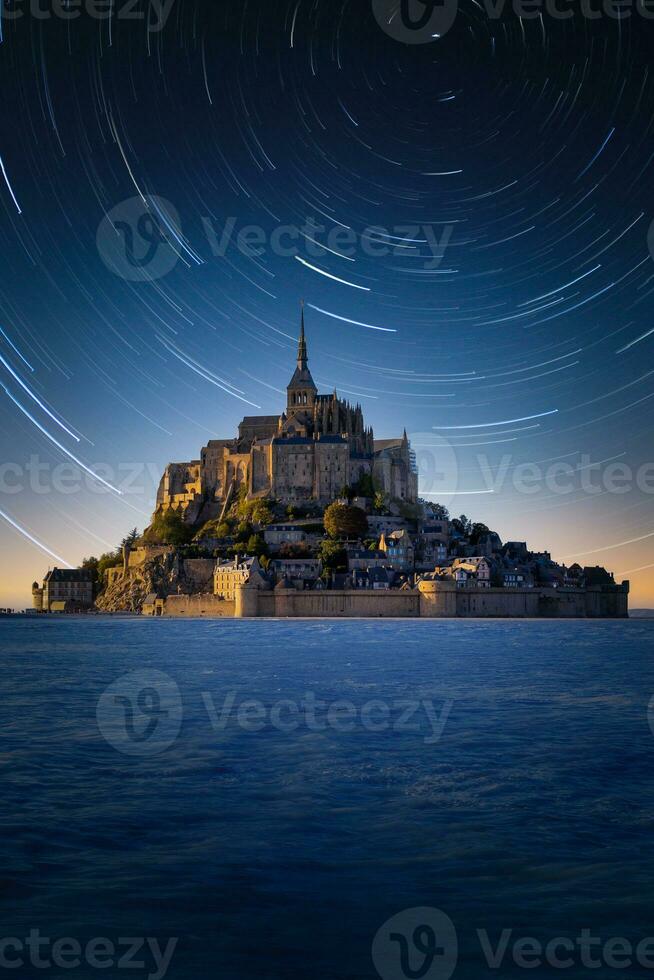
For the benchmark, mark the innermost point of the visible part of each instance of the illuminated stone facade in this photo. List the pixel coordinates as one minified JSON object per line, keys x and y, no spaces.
{"x":310,"y":452}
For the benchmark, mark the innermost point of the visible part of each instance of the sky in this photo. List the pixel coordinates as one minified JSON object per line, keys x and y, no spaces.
{"x":465,"y":205}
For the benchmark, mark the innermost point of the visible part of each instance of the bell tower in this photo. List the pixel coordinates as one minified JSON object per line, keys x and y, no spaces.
{"x":301,"y":391}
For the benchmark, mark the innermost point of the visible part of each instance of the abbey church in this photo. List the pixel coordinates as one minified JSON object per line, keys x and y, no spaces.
{"x":317,"y":446}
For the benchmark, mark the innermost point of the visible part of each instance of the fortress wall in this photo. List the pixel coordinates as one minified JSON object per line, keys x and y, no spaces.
{"x":138,"y":556}
{"x":596,"y":602}
{"x":198,"y":606}
{"x":438,"y":600}
{"x":355,"y":604}
{"x":516,"y":603}
{"x":444,"y":599}
{"x":433,"y":600}
{"x":559,"y":604}
{"x":601,"y":602}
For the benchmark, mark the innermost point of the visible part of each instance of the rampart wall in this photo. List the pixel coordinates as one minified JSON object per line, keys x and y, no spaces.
{"x":205,"y":606}
{"x":435,"y":600}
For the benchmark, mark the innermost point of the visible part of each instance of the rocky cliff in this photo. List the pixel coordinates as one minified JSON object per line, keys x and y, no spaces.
{"x":164,"y":575}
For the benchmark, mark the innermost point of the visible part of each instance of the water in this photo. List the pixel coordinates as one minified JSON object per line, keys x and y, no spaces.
{"x":280,"y":853}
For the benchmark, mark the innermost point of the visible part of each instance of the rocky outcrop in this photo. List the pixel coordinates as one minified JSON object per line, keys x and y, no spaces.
{"x":163,"y":575}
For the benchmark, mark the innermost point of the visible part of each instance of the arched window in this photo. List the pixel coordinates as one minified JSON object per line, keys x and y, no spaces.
{"x":305,"y":398}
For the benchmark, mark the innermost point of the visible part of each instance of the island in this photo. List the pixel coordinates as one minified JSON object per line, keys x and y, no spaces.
{"x":306,"y":514}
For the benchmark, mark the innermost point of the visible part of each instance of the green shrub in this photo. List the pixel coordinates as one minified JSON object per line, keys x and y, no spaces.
{"x":170,"y":529}
{"x":333,"y":556}
{"x":342,"y":521}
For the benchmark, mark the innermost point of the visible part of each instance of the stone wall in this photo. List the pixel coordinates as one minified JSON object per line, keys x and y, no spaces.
{"x":353,"y":604}
{"x":138,"y":556}
{"x":596,"y":602}
{"x":436,"y":600}
{"x":445,"y":600}
{"x":207,"y":606}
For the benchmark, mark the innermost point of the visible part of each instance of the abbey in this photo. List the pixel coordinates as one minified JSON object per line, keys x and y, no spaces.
{"x":310,"y":452}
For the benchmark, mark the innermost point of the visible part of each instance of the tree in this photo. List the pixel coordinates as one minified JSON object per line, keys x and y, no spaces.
{"x":262,"y":513}
{"x":256,"y":545}
{"x":477,"y":532}
{"x":169,"y":528}
{"x":291,"y":549}
{"x":255,"y":511}
{"x":243,"y":532}
{"x":462,"y":525}
{"x":440,"y":512}
{"x":379,"y":502}
{"x":409,"y":511}
{"x":91,"y":565}
{"x":333,"y":556}
{"x":365,"y":486}
{"x":342,"y":521}
{"x":110,"y":559}
{"x":131,"y":539}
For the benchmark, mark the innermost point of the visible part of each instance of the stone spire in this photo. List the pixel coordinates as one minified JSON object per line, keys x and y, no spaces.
{"x":301,"y":391}
{"x":302,"y":356}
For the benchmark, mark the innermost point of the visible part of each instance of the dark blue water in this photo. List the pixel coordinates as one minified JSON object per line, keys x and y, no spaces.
{"x":278,"y":846}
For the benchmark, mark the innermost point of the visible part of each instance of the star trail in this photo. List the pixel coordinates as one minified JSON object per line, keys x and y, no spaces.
{"x":468,"y":219}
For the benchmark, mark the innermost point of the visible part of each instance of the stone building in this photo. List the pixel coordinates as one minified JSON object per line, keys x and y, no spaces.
{"x":399,"y":550}
{"x":229,"y":574}
{"x":300,"y":572}
{"x":317,"y":446}
{"x":64,"y":590}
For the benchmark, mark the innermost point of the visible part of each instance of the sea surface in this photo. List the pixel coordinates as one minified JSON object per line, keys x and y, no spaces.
{"x":493,"y":775}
